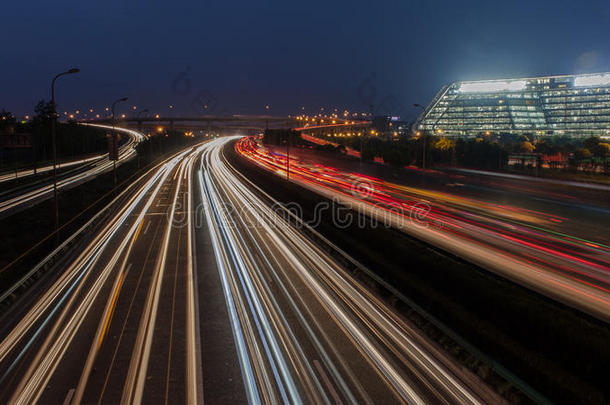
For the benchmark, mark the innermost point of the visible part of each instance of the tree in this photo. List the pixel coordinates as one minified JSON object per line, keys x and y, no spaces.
{"x":527,"y":147}
{"x":544,"y":147}
{"x":582,"y":154}
{"x":442,"y":151}
{"x":604,"y":149}
{"x":44,"y":113}
{"x":592,"y":143}
{"x":6,"y":119}
{"x":480,"y":153}
{"x":444,"y":144}
{"x":41,"y":128}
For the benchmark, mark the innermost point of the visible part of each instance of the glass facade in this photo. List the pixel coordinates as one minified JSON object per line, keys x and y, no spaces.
{"x":576,"y":105}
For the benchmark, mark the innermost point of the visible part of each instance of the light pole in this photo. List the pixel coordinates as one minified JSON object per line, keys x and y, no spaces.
{"x":423,"y":160}
{"x":288,"y":157}
{"x":371,"y":112}
{"x":54,"y":145}
{"x":362,"y":146}
{"x":138,"y":114}
{"x":114,"y":137}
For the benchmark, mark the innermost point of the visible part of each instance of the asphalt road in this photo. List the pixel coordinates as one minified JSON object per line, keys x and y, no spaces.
{"x":305,"y":330}
{"x":197,"y":291}
{"x":549,"y":237}
{"x":119,"y":323}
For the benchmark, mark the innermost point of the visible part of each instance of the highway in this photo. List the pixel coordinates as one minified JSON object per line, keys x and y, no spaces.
{"x":561,"y":252}
{"x":122,"y":323}
{"x":113,"y":316}
{"x":45,"y":169}
{"x":305,"y":330}
{"x":26,"y":196}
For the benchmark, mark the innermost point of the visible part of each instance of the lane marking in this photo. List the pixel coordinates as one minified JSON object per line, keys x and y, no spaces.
{"x":326,"y":380}
{"x":127,"y":317}
{"x":147,"y":226}
{"x":115,"y":298}
{"x":69,"y":396}
{"x":138,"y":231}
{"x":171,"y":324}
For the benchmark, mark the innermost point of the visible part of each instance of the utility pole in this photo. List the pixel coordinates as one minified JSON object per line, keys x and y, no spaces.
{"x":371,"y":111}
{"x":115,"y":141}
{"x":54,"y":147}
{"x":423,"y":161}
{"x":288,"y":157}
{"x":362,"y":146}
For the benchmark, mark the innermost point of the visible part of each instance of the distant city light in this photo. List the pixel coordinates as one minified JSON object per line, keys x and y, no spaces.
{"x":492,"y":86}
{"x":592,"y":80}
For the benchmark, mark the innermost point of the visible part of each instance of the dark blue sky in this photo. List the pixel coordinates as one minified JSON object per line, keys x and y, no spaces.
{"x":239,"y":56}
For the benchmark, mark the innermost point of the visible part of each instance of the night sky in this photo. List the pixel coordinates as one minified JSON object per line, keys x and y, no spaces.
{"x":238,"y":56}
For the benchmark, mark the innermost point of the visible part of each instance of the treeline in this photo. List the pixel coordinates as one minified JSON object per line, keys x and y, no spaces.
{"x":486,"y":152}
{"x":72,"y":139}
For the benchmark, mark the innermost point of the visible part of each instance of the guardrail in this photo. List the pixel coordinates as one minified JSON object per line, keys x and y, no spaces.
{"x":11,"y":294}
{"x":389,"y":293}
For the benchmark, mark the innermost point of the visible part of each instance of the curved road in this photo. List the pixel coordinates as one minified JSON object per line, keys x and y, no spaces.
{"x":541,"y":250}
{"x":121,"y":321}
{"x":25,"y":197}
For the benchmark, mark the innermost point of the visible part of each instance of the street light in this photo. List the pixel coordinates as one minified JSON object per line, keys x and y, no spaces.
{"x":114,"y":137}
{"x":138,"y":114}
{"x":54,"y":147}
{"x":288,"y":156}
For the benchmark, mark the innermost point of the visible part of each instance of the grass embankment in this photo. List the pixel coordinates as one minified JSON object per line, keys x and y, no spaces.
{"x":561,"y":352}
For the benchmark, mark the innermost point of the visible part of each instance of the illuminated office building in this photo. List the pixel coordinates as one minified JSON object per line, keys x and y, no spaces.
{"x":575,"y":105}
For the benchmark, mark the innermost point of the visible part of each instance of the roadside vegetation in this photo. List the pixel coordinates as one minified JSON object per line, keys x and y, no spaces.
{"x":73,"y":140}
{"x":550,"y":155}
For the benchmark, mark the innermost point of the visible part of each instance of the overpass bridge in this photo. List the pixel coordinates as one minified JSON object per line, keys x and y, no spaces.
{"x":205,"y":122}
{"x":246,"y":124}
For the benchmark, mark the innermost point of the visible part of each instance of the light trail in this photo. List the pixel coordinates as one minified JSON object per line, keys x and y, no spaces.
{"x":60,"y":313}
{"x":44,"y":169}
{"x":304,"y":330}
{"x":91,"y":168}
{"x":500,"y":238}
{"x":264,"y":262}
{"x":62,"y":333}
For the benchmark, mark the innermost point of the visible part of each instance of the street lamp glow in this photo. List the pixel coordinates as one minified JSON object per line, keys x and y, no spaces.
{"x":54,"y":146}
